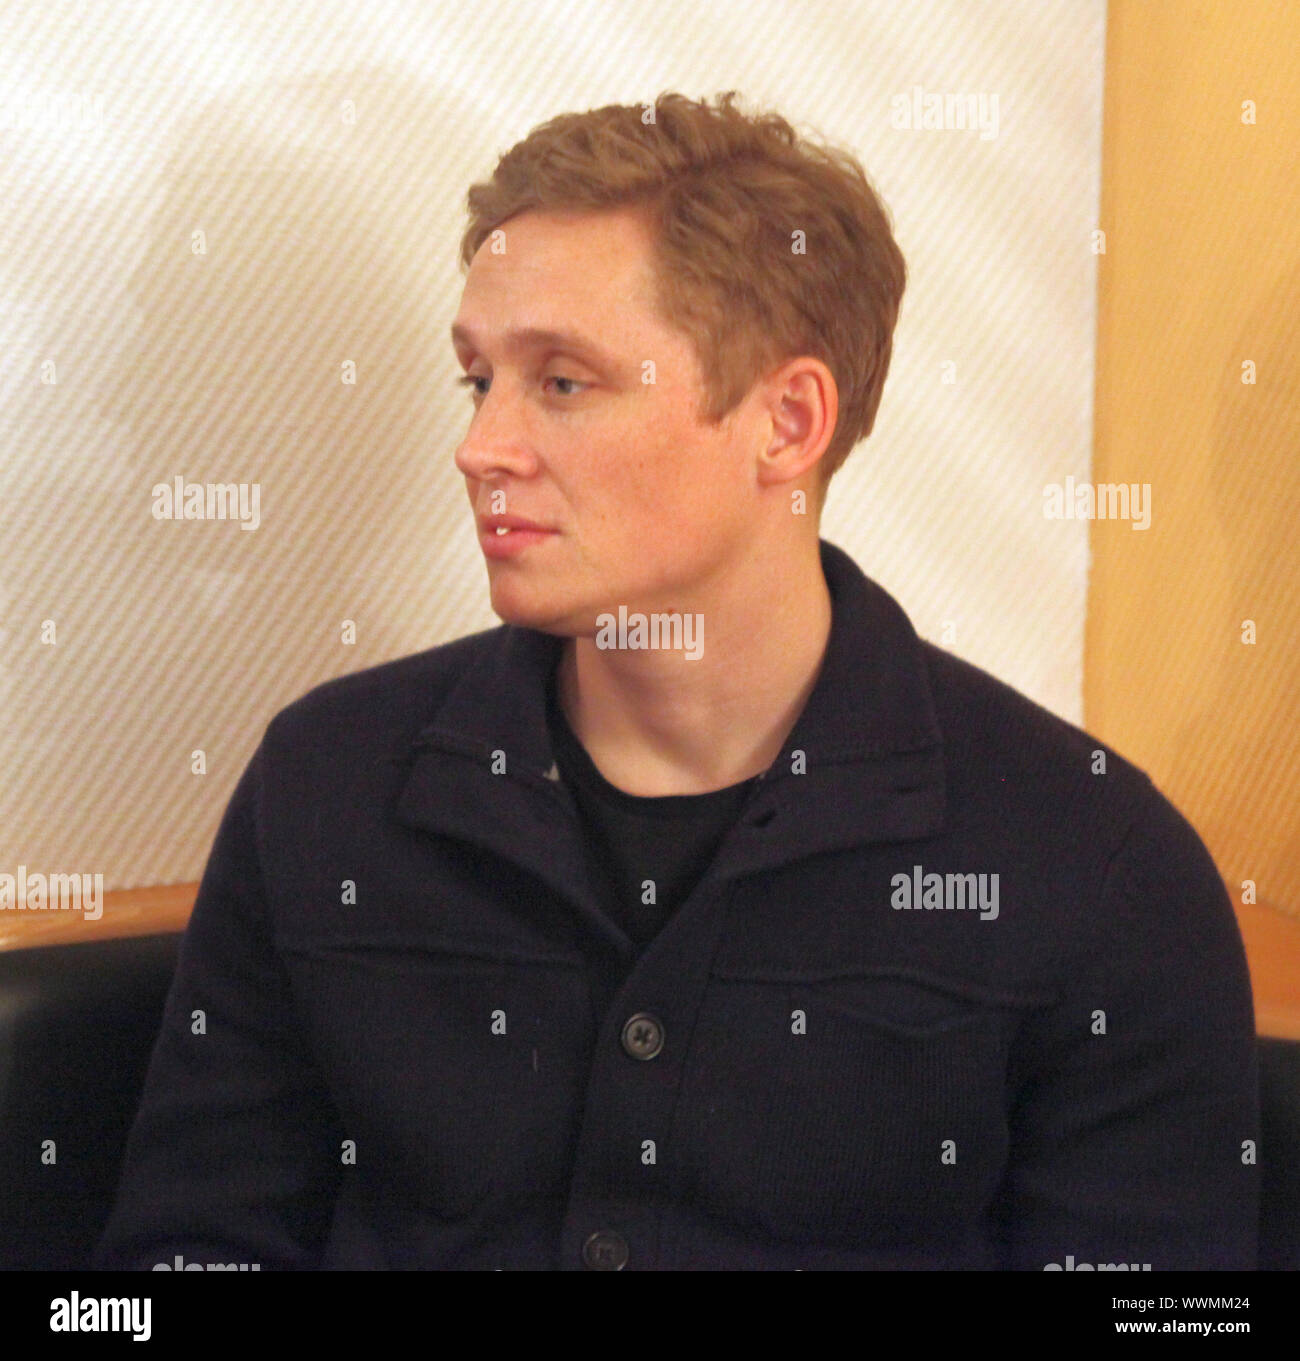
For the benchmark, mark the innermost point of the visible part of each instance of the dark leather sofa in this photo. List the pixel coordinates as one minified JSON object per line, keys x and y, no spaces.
{"x":77,"y":1023}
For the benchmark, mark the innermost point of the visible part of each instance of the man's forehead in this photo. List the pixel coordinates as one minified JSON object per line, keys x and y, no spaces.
{"x":518,"y":338}
{"x":563,"y":280}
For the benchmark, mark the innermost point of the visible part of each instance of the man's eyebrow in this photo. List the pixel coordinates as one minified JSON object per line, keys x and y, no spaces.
{"x":537,"y":337}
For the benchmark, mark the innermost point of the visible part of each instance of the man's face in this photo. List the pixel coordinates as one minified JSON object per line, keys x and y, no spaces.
{"x":647,"y":505}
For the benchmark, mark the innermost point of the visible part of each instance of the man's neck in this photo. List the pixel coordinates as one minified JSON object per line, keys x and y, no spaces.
{"x":655,"y":723}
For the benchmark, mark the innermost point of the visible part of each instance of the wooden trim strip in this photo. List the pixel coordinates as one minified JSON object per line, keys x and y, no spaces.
{"x":127,"y":912}
{"x":1272,"y":941}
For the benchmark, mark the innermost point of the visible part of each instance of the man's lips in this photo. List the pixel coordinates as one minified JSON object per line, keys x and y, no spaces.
{"x":491,"y":524}
{"x":502,"y":537}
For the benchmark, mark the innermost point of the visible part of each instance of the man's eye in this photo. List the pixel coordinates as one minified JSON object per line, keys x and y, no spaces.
{"x":555,"y":378}
{"x":472,"y":381}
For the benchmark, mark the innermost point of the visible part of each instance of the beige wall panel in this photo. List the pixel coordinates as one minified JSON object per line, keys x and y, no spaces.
{"x":128,"y":359}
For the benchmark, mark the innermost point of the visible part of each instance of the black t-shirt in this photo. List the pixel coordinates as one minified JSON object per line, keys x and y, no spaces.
{"x":669,"y":840}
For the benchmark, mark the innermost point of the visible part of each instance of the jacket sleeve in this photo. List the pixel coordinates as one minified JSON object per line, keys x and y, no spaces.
{"x":1135,"y":1121}
{"x":234,"y":1155}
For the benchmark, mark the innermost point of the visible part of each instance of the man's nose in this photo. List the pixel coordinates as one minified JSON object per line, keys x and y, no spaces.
{"x":497,"y":440}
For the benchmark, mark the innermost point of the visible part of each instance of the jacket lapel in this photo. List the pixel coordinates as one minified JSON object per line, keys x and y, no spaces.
{"x":871,"y":768}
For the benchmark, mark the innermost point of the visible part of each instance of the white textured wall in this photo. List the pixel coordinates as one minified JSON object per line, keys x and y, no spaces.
{"x":330,"y":240}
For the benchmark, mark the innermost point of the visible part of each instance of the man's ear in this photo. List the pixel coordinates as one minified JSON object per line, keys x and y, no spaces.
{"x":803,"y":403}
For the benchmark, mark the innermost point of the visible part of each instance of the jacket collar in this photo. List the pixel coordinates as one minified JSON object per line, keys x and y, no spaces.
{"x":872,"y":765}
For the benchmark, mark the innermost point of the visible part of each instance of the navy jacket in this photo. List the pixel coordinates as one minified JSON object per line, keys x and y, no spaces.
{"x":404,"y":1034}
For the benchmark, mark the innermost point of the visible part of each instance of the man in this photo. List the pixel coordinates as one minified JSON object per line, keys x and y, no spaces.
{"x":700,"y":915}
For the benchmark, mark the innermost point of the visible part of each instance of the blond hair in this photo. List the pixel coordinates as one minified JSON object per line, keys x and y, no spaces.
{"x":727,"y":194}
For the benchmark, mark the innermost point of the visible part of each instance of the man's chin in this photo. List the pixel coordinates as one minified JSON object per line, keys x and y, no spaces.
{"x":531,"y":610}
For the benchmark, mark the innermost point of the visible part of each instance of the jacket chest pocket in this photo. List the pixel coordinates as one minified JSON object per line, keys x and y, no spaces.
{"x":451,"y":1063}
{"x":859,"y":1110}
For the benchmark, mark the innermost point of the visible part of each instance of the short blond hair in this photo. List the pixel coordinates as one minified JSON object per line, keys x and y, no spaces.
{"x":726,"y":193}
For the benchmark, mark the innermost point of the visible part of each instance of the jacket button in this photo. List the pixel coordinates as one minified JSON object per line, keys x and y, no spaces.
{"x":605,"y":1251}
{"x":643,"y":1035}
